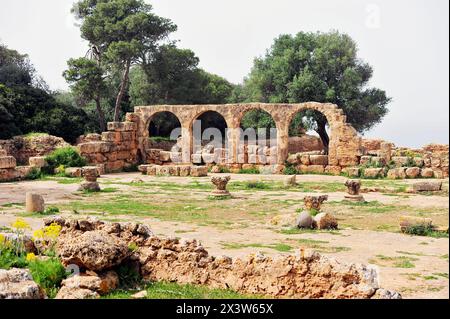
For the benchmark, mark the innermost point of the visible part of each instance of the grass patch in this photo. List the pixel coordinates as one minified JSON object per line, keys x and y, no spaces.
{"x":396,"y":262}
{"x":279,"y":246}
{"x":165,"y":290}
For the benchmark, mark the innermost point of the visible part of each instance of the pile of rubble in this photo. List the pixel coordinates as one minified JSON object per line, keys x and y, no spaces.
{"x":96,"y":248}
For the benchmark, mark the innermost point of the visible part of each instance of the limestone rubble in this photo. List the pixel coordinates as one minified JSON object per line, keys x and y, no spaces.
{"x":309,"y":275}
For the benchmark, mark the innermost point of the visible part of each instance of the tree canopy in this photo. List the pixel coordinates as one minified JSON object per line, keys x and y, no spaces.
{"x":26,"y":107}
{"x":320,"y":67}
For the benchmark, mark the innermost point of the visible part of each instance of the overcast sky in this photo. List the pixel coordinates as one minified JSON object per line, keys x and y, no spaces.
{"x":406,"y":42}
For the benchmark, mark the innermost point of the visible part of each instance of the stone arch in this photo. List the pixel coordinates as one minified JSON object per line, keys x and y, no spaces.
{"x":344,"y":147}
{"x":198,"y":115}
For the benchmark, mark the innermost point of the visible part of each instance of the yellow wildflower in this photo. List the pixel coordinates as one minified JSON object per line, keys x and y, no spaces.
{"x":38,"y":234}
{"x":2,"y":239}
{"x":52,"y":232}
{"x":20,"y":224}
{"x":31,"y":257}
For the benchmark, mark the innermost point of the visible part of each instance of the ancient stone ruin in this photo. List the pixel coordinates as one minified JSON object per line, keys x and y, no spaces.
{"x":220,"y":183}
{"x":126,"y":143}
{"x":353,"y":188}
{"x":312,"y":217}
{"x":97,"y":248}
{"x":90,"y":174}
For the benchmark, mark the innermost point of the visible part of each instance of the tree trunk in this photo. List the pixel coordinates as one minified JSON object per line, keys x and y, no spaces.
{"x":323,"y":134}
{"x":123,"y":87}
{"x":101,"y":115}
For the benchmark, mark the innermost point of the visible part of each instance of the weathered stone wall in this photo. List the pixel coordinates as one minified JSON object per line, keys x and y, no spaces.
{"x":24,"y":147}
{"x":117,"y":148}
{"x":9,"y":171}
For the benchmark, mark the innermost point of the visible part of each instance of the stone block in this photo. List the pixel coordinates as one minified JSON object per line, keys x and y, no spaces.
{"x":352,"y":171}
{"x":34,"y":203}
{"x":312,"y":169}
{"x":397,"y":173}
{"x":333,"y":170}
{"x":115,"y":166}
{"x":427,"y":173}
{"x":400,"y":160}
{"x":427,"y":186}
{"x":7,"y":162}
{"x":185,"y":170}
{"x":73,"y":171}
{"x":94,"y":147}
{"x":319,"y":160}
{"x":304,"y":160}
{"x":164,"y":156}
{"x":152,"y":169}
{"x":373,"y":172}
{"x":3,"y":153}
{"x":199,"y":171}
{"x":196,"y":158}
{"x":122,"y":126}
{"x":412,"y":172}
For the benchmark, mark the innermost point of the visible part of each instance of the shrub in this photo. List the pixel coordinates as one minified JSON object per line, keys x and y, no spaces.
{"x":48,"y":274}
{"x":34,"y":174}
{"x":256,"y":184}
{"x":9,"y":258}
{"x":424,"y":230}
{"x":290,"y":170}
{"x":254,"y":170}
{"x":63,"y":157}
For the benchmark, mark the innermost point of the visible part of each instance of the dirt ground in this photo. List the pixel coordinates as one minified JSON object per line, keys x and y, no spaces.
{"x":252,"y":220}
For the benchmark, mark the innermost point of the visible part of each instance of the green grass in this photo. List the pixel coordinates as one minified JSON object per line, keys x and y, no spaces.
{"x":279,"y":246}
{"x":373,"y":207}
{"x":396,"y":262}
{"x":165,"y":290}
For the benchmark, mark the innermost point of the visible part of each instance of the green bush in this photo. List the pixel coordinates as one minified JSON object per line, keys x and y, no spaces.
{"x":63,"y":157}
{"x":256,"y":184}
{"x":290,"y":170}
{"x":34,"y":174}
{"x":9,"y":259}
{"x":249,"y":171}
{"x":48,"y":274}
{"x":425,"y":230}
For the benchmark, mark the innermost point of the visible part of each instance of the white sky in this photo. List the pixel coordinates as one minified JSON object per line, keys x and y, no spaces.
{"x":406,"y":42}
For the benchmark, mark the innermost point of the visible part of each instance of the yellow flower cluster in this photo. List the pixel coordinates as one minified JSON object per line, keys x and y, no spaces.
{"x":20,"y":224}
{"x":31,"y":257}
{"x":2,"y":239}
{"x":48,"y":233}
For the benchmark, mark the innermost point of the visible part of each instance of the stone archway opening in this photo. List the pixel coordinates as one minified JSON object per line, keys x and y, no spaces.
{"x":164,"y":131}
{"x":305,"y":135}
{"x":258,"y":138}
{"x":209,"y":138}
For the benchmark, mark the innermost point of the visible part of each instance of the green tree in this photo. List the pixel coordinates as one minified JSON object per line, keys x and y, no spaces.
{"x":88,"y":83}
{"x":123,"y":33}
{"x":320,"y":67}
{"x":27,"y":106}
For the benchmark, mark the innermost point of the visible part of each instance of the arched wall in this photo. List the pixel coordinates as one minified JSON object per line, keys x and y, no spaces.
{"x":344,"y":147}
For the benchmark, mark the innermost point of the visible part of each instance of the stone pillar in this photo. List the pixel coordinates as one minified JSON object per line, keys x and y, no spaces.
{"x":34,"y":203}
{"x":233,"y":144}
{"x":353,"y":187}
{"x":186,"y":143}
{"x":90,"y":174}
{"x":282,"y":143}
{"x":220,"y":183}
{"x":385,"y":151}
